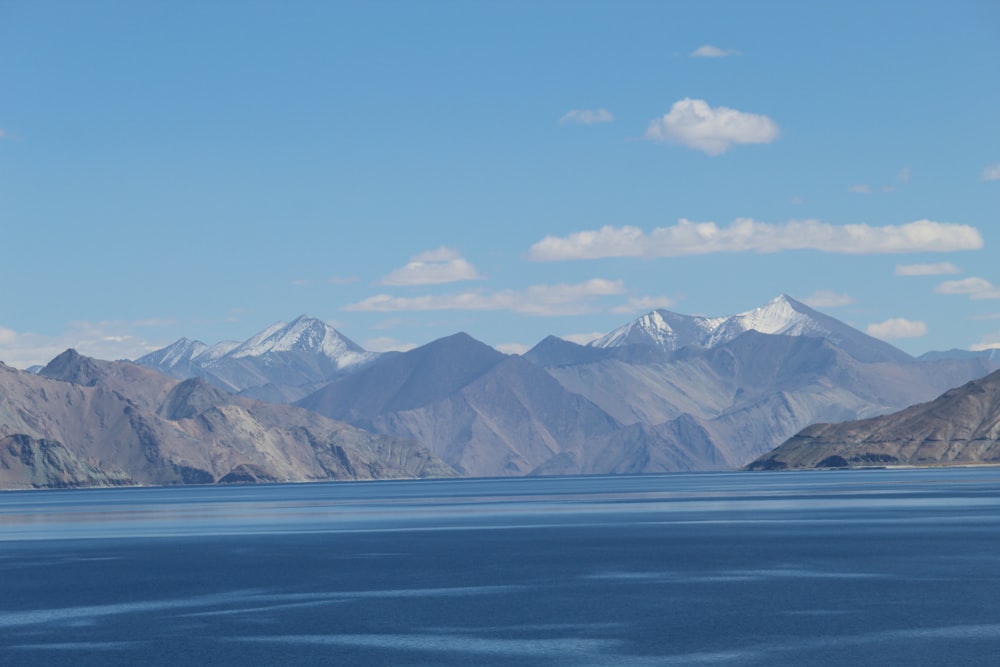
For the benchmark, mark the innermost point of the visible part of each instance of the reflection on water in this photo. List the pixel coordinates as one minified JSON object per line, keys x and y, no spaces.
{"x":429,"y":504}
{"x":815,"y":568}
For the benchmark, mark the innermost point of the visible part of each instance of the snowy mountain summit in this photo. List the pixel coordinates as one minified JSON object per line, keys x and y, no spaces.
{"x":291,"y":355}
{"x":304,"y":334}
{"x":781,"y":316}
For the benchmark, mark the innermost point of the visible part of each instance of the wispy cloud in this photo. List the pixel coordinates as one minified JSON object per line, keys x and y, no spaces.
{"x":904,"y":175}
{"x":695,"y":124}
{"x":643,"y":303}
{"x":941,"y":269}
{"x":155,"y":322}
{"x":434,"y":267}
{"x":897,"y":327}
{"x":861,"y":189}
{"x":991,"y":172}
{"x":587,"y":117}
{"x":386,"y":344}
{"x":563,"y":299}
{"x":987,"y":342}
{"x":827,"y":299}
{"x":974,"y":288}
{"x":709,"y":51}
{"x":745,"y":234}
{"x":343,"y":280}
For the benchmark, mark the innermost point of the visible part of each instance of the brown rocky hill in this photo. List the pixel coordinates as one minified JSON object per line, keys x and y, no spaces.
{"x":85,"y":422}
{"x":962,"y":426}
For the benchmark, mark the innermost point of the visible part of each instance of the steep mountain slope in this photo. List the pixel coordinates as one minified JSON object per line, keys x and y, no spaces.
{"x":485,"y":413}
{"x":281,"y":363}
{"x":98,"y":422}
{"x":962,"y":426}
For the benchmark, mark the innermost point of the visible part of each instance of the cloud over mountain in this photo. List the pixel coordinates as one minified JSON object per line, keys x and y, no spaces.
{"x":897,"y":327}
{"x":562,"y":299}
{"x":746,"y":234}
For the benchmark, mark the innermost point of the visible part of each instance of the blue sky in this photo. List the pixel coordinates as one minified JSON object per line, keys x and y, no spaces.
{"x":407,"y":170}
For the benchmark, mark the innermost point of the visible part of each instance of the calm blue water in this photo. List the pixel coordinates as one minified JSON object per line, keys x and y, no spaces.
{"x":812,"y":568}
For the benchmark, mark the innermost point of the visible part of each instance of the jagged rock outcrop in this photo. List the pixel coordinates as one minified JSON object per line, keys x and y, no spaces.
{"x":30,"y":463}
{"x":962,"y":426}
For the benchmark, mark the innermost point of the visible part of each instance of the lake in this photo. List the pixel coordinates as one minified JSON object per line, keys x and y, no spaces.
{"x":868,"y":567}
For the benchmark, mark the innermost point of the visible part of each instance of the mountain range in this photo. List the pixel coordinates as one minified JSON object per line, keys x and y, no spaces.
{"x":665,"y":392}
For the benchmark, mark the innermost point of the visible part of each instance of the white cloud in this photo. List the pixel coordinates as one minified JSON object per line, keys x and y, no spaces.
{"x":992,"y":172}
{"x":644,"y":303}
{"x":987,"y":342}
{"x":434,"y":267}
{"x":7,"y":336}
{"x":512,"y":348}
{"x":583,"y":338}
{"x":709,"y":51}
{"x":387,"y":344}
{"x":565,"y":299}
{"x":745,"y":234}
{"x":904,"y":175}
{"x":102,"y":340}
{"x":974,"y":288}
{"x":942,"y":269}
{"x":441,"y":254}
{"x":827,"y":299}
{"x":693,"y":123}
{"x":861,"y":189}
{"x":587,"y":116}
{"x":797,"y":200}
{"x":897,"y":327}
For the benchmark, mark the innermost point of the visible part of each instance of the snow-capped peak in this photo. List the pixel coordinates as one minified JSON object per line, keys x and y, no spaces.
{"x":783,"y":316}
{"x":671,"y":331}
{"x":661,"y":328}
{"x":179,"y":352}
{"x":304,"y":334}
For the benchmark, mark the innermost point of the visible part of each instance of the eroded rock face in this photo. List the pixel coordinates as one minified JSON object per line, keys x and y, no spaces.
{"x":86,"y":422}
{"x":30,"y":463}
{"x":962,"y":426}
